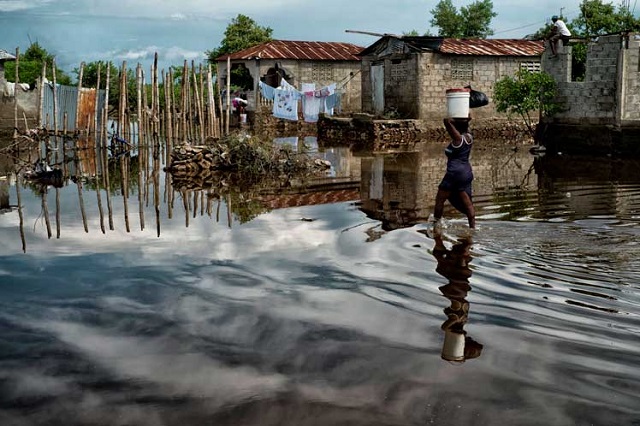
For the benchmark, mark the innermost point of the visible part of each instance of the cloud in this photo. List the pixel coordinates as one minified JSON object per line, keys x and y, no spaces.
{"x":173,"y":53}
{"x":17,"y":5}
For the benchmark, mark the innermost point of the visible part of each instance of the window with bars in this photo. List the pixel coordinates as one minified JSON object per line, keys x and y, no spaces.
{"x":461,"y":69}
{"x":322,"y":71}
{"x":532,"y":66}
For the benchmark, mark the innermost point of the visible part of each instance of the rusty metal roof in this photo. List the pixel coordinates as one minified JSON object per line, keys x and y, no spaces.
{"x":454,"y":46}
{"x":6,"y":56}
{"x":305,"y":50}
{"x":492,"y":47}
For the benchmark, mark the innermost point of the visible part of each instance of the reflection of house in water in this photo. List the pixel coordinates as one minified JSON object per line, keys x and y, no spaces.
{"x":4,"y":194}
{"x":399,"y":189}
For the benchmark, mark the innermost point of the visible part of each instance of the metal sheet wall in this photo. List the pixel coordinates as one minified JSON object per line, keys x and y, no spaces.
{"x":67,"y":103}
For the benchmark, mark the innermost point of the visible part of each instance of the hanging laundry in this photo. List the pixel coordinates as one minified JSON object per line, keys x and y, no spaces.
{"x":308,"y":87}
{"x":285,"y":104}
{"x":266,"y":91}
{"x":311,"y":105}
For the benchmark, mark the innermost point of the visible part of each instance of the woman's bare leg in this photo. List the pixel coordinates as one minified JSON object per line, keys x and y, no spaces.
{"x":470,"y":210}
{"x":441,"y":197}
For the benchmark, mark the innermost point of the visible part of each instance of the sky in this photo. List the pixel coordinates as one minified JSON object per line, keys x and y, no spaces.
{"x":178,"y":30}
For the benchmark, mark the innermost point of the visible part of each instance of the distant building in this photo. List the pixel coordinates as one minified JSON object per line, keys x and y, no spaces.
{"x":4,"y":57}
{"x":407,"y":77}
{"x":300,"y":62}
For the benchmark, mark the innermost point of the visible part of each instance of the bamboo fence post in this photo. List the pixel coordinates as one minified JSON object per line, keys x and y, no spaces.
{"x":15,"y":95}
{"x":211,"y":108}
{"x":197,"y":103}
{"x":172,"y":108}
{"x":183,"y":103}
{"x":221,"y":121}
{"x":189,"y":96}
{"x":96,"y":109}
{"x":41,"y":93}
{"x":228,"y":94}
{"x":45,"y":209}
{"x":156,"y":97}
{"x":78,"y":98}
{"x":201,"y":106}
{"x":122,"y":105}
{"x":55,"y":106}
{"x":139,"y":103}
{"x":105,"y":114}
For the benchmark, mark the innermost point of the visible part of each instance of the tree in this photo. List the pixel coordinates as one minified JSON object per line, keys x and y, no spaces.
{"x":472,"y":21}
{"x":524,"y":93}
{"x":30,"y":66}
{"x":241,"y":33}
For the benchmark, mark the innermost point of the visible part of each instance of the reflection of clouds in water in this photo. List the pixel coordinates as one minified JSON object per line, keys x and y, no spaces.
{"x":163,"y":362}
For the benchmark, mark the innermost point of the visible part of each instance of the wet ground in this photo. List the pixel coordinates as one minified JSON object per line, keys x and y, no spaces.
{"x":333,"y":302}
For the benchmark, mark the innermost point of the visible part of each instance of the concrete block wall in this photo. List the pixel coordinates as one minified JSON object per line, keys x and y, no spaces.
{"x":435,"y":79}
{"x":630,"y":104}
{"x":594,"y":100}
{"x":401,"y":80}
{"x":27,"y":107}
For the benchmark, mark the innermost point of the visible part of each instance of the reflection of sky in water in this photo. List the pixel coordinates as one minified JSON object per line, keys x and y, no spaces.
{"x":280,"y":317}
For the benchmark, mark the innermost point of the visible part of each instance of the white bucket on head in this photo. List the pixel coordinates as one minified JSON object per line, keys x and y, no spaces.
{"x":458,"y":103}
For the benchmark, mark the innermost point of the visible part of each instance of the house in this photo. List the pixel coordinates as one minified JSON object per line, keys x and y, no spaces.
{"x":298,"y":62}
{"x":407,"y":77}
{"x":600,"y":114}
{"x":4,"y":57}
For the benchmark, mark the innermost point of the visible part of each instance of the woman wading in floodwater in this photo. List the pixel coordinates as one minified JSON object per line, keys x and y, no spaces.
{"x":456,"y":184}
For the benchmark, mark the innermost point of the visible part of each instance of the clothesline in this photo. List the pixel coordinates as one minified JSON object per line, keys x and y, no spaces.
{"x":286,"y":96}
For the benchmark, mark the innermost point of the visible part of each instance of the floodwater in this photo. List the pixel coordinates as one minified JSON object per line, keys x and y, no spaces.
{"x":331,"y":302}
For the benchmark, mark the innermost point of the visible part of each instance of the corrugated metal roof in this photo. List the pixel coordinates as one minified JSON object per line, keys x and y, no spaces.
{"x":6,"y":56}
{"x":492,"y":47}
{"x":309,"y":50}
{"x":454,"y":46}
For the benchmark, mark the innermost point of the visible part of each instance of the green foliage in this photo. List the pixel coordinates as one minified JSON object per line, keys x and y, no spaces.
{"x":241,"y":33}
{"x":598,"y":18}
{"x":30,"y":66}
{"x":525,"y":93}
{"x":472,"y":21}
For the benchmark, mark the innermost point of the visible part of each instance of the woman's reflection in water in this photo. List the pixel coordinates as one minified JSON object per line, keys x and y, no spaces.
{"x":453,"y":264}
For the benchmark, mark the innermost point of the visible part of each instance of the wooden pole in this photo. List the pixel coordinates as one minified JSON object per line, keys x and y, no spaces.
{"x":105,"y":115}
{"x":41,"y":93}
{"x":211,"y":104}
{"x":96,"y":109}
{"x":196,"y":94}
{"x":228,"y":94}
{"x":78,"y":98}
{"x":139,"y":104}
{"x":55,"y":106}
{"x":15,"y":95}
{"x":183,"y":103}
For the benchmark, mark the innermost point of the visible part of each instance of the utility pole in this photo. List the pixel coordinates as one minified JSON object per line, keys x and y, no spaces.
{"x":561,"y":9}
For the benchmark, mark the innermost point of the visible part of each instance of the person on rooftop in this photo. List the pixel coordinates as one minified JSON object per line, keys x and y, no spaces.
{"x":559,"y":31}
